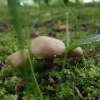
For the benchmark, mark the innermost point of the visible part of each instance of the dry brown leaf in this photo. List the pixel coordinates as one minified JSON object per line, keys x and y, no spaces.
{"x":19,"y":86}
{"x":47,"y":14}
{"x":59,"y":22}
{"x":62,"y":27}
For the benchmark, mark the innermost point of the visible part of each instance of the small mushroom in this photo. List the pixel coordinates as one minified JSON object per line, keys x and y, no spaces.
{"x":77,"y":52}
{"x":47,"y":48}
{"x":18,"y":58}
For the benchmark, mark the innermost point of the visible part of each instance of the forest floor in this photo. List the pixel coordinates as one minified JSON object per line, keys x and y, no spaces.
{"x":81,"y":79}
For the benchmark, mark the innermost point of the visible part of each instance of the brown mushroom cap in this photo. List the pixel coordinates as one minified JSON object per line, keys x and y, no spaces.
{"x":47,"y":47}
{"x":77,"y":52}
{"x":18,"y":57}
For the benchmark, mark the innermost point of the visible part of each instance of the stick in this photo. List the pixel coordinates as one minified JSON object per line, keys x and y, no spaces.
{"x":79,"y":93}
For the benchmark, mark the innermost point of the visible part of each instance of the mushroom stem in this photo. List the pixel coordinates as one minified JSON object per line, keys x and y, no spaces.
{"x":72,"y":60}
{"x":48,"y":62}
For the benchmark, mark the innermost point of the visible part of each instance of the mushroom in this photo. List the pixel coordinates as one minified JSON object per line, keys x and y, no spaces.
{"x":18,"y":58}
{"x":77,"y":52}
{"x":47,"y":48}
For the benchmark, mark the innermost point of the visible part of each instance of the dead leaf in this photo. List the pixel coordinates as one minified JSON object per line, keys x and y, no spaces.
{"x":19,"y":86}
{"x":97,"y":24}
{"x":47,"y":14}
{"x":54,"y":85}
{"x":59,"y":22}
{"x":51,"y":81}
{"x":2,"y":65}
{"x":35,"y":34}
{"x":55,"y":12}
{"x":62,"y":27}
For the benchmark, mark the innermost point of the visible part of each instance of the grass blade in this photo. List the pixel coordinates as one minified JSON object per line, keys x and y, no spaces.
{"x":85,"y":40}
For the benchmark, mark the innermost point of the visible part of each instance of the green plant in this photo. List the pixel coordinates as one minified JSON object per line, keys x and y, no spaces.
{"x":85,"y":40}
{"x":84,"y":75}
{"x":17,"y":24}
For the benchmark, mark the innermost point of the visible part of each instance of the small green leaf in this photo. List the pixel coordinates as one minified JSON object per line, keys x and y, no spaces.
{"x":85,"y":40}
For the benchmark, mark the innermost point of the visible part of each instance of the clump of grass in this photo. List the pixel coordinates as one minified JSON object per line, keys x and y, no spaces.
{"x":14,"y":10}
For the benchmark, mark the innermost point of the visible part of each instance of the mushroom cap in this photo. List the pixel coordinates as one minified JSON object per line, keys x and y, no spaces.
{"x":47,"y":47}
{"x":18,"y":58}
{"x":77,"y":52}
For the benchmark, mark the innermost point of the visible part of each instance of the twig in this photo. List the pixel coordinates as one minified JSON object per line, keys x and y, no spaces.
{"x":79,"y":93}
